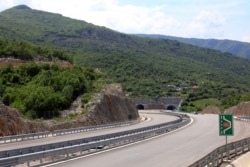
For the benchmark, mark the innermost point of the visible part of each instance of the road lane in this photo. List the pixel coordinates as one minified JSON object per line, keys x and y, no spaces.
{"x":176,"y":149}
{"x":156,"y":117}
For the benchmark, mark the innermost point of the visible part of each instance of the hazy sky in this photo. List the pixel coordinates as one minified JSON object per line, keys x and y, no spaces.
{"x":220,"y":19}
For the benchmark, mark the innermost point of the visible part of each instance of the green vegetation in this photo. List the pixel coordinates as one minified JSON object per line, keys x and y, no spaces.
{"x":43,"y":90}
{"x":145,"y":67}
{"x":26,"y":51}
{"x":198,"y":105}
{"x":236,"y":48}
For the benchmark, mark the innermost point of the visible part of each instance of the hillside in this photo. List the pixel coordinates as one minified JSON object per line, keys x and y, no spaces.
{"x":241,"y":49}
{"x":41,"y":82}
{"x":29,"y":52}
{"x":145,"y":67}
{"x":44,"y":90}
{"x":101,"y":111}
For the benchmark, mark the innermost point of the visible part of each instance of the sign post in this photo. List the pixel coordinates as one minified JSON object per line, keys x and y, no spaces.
{"x":226,"y":127}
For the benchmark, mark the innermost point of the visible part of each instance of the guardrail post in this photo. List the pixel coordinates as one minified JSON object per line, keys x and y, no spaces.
{"x":220,"y":157}
{"x":248,"y":141}
{"x":215,"y":158}
{"x":235,"y":149}
{"x":207,"y":161}
{"x":199,"y":164}
{"x":227,"y":151}
{"x":242,"y":146}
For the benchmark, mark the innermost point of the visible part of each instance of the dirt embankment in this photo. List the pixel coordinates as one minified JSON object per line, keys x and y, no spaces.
{"x":11,"y":123}
{"x":242,"y":109}
{"x":17,"y":62}
{"x":109,"y":106}
{"x":211,"y":110}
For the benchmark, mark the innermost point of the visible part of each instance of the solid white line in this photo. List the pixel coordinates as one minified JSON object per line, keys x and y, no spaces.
{"x":119,"y":146}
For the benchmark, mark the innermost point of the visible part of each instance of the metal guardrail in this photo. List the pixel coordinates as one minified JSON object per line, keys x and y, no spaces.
{"x":30,"y":136}
{"x":90,"y":128}
{"x":243,"y":118}
{"x":39,"y":135}
{"x":223,"y":153}
{"x":79,"y":147}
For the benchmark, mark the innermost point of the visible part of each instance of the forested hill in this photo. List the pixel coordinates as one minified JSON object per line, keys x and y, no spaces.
{"x":26,"y":51}
{"x":41,"y":82}
{"x":145,"y":67}
{"x":241,"y":49}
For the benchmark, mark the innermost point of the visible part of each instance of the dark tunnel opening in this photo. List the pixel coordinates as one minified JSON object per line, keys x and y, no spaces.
{"x":140,"y":107}
{"x":171,"y":107}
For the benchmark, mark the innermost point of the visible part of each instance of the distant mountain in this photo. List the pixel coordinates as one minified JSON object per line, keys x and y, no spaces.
{"x":146,"y":67}
{"x":241,"y":49}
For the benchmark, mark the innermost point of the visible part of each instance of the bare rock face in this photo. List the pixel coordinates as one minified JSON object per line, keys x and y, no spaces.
{"x":113,"y":106}
{"x":109,"y":106}
{"x":11,"y":123}
{"x":243,"y":109}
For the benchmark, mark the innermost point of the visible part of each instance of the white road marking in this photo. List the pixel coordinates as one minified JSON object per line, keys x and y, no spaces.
{"x":57,"y":163}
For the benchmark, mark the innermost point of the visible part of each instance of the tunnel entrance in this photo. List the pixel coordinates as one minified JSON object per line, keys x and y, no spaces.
{"x":140,"y":107}
{"x":171,"y":107}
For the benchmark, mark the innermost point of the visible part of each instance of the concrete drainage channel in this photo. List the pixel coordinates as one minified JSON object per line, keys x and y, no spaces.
{"x":51,"y":153}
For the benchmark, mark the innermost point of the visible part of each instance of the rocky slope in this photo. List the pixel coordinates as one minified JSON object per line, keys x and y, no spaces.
{"x":110,"y":105}
{"x":17,"y":62}
{"x":211,"y":110}
{"x":11,"y":123}
{"x":243,"y":109}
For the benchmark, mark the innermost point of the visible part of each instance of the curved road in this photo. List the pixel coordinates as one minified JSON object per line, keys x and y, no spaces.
{"x":155,"y":118}
{"x":179,"y":148}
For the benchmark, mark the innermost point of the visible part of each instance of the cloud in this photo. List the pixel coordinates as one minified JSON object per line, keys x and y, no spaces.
{"x":207,"y":23}
{"x":203,"y":19}
{"x":5,"y":4}
{"x":133,"y":19}
{"x":75,"y":8}
{"x":125,"y":18}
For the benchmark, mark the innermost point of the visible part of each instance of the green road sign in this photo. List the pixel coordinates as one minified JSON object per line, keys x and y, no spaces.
{"x":226,"y":125}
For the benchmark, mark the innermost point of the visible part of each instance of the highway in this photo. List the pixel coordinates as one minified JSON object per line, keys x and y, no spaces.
{"x":176,"y":149}
{"x":155,"y":117}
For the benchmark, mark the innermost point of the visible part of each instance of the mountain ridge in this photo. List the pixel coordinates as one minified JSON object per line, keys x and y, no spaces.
{"x":146,"y":67}
{"x":238,"y":48}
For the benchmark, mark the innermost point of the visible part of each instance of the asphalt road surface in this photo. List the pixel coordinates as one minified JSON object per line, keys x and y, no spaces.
{"x":155,"y":117}
{"x":176,"y":149}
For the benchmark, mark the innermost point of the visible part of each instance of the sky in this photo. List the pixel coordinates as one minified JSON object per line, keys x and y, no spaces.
{"x":218,"y":19}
